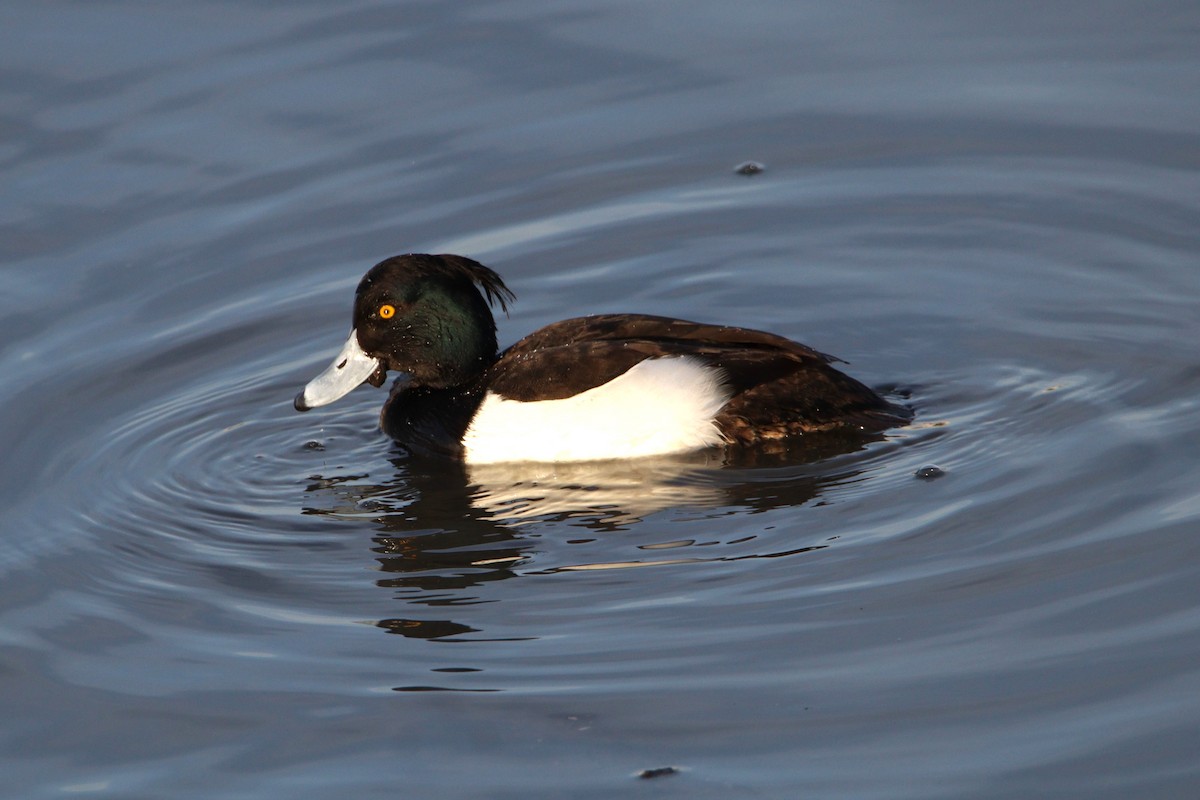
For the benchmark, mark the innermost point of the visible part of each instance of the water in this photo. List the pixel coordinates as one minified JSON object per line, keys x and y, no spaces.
{"x":994,"y":210}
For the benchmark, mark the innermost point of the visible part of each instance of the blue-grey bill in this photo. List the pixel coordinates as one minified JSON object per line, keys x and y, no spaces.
{"x":351,"y":367}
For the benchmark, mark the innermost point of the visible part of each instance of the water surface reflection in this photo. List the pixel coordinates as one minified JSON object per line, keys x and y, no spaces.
{"x":445,"y":530}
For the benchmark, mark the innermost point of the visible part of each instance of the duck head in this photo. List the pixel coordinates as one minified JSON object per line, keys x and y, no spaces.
{"x":421,"y":315}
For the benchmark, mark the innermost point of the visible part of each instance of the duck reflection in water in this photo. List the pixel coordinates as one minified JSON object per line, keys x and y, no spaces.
{"x":446,"y":529}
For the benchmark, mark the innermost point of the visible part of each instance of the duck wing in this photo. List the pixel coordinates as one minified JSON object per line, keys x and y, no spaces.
{"x":646,"y":327}
{"x":572,"y":356}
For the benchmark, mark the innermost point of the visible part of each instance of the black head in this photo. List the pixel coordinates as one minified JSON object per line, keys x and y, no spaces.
{"x":424,"y":315}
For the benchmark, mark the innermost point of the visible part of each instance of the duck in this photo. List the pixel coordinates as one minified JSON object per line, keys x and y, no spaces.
{"x":605,"y":386}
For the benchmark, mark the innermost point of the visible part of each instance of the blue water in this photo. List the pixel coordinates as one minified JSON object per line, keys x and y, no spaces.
{"x":994,"y":210}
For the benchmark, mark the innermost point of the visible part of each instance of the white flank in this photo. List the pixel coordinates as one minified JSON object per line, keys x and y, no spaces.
{"x":662,"y":405}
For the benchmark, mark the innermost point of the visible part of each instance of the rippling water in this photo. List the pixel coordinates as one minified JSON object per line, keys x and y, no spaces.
{"x":994,"y":215}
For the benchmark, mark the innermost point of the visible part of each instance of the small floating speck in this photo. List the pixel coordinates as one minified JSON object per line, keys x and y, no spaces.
{"x":929,"y":473}
{"x":313,"y":445}
{"x":658,"y":772}
{"x":749,"y":168}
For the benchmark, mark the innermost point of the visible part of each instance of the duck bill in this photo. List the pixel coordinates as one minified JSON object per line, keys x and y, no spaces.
{"x":351,"y":367}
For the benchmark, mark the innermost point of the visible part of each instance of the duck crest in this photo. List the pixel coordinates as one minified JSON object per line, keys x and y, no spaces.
{"x":416,"y":267}
{"x":492,"y":285}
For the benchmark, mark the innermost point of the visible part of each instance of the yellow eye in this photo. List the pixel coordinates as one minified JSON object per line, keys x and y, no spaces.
{"x":387,"y":311}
